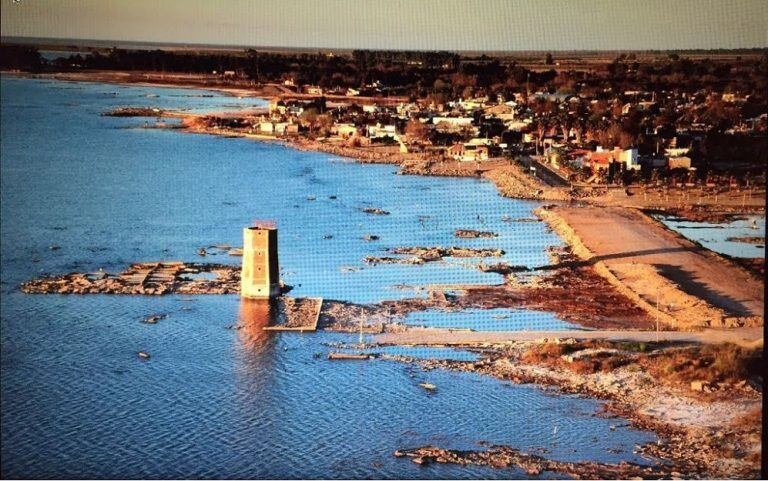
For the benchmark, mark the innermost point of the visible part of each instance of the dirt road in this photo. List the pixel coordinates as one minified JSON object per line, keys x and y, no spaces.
{"x":690,"y":284}
{"x":746,"y":336}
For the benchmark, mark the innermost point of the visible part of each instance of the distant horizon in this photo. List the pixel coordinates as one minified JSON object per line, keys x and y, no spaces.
{"x":106,"y":43}
{"x":427,"y":25}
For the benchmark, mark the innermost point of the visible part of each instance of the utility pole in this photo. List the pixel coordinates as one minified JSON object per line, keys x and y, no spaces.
{"x":527,"y":87}
{"x":657,"y":316}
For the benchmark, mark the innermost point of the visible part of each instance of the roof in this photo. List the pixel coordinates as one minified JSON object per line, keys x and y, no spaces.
{"x":602,"y":157}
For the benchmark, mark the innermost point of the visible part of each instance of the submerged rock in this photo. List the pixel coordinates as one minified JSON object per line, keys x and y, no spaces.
{"x":474,"y":234}
{"x":375,"y":211}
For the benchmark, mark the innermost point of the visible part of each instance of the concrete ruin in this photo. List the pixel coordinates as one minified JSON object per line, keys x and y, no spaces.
{"x":260,"y":276}
{"x":145,"y":278}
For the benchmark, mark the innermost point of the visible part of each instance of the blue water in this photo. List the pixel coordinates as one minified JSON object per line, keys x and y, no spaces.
{"x":51,"y":55}
{"x":177,"y":99}
{"x":489,"y":320}
{"x":715,"y":236}
{"x":213,"y":400}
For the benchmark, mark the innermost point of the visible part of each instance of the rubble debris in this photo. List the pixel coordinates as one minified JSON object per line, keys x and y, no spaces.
{"x":502,"y":268}
{"x":755,"y":240}
{"x":295,"y":314}
{"x":448,"y":251}
{"x":699,"y":386}
{"x":375,"y":211}
{"x":148,"y":278}
{"x":532,"y":464}
{"x":134,"y":112}
{"x":393,"y":260}
{"x":343,"y":356}
{"x":474,"y":234}
{"x":220,"y":249}
{"x":153,"y":318}
{"x":428,"y":254}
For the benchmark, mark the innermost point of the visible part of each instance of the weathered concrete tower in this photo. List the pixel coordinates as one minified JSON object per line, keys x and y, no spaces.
{"x":260,"y":276}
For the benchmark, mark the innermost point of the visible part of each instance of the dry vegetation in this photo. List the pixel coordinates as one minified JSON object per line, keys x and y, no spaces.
{"x":722,"y":364}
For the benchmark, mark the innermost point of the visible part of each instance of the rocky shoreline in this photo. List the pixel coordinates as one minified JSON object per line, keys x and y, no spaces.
{"x":710,"y":432}
{"x":506,"y":457}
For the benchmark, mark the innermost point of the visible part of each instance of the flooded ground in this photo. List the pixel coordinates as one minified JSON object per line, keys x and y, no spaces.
{"x":489,"y":320}
{"x":219,"y":397}
{"x":734,"y":238}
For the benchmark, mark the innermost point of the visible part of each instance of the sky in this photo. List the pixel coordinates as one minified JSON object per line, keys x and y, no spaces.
{"x":505,"y":25}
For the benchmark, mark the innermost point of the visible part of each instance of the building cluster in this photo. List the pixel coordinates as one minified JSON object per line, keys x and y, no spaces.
{"x":603,"y":138}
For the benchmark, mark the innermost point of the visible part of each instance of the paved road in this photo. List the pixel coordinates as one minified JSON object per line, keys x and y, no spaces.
{"x":543,"y":172}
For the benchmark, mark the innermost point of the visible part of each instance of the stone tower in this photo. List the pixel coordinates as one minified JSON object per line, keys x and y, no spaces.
{"x":260,"y":276}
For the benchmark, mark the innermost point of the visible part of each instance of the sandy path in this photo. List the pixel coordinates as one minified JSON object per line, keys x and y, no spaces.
{"x":748,"y":336}
{"x":633,"y":246}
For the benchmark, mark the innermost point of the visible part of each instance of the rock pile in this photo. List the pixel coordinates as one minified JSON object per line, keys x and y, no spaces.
{"x":420,"y":255}
{"x":134,"y":112}
{"x":531,"y":464}
{"x":474,"y":234}
{"x":144,"y":279}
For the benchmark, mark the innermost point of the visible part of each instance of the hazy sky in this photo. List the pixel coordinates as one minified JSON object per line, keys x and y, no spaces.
{"x":401,"y":24}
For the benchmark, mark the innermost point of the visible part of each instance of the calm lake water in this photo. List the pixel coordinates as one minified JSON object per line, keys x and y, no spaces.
{"x":219,"y":402}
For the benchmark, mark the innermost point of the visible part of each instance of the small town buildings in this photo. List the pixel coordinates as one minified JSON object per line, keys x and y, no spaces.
{"x":676,"y":151}
{"x":469,"y":152}
{"x":280,"y":127}
{"x":681,"y":162}
{"x":630,"y":158}
{"x":456,"y":151}
{"x":455,"y":121}
{"x":344,"y":131}
{"x":379,"y":131}
{"x":474,"y":153}
{"x":601,"y":160}
{"x":275,"y":105}
{"x":502,"y":112}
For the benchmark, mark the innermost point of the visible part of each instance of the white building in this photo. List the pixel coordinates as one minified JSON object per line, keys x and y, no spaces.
{"x":630,"y":158}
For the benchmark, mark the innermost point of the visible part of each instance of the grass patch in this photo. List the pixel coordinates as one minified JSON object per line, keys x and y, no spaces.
{"x":551,"y":354}
{"x":712,"y":363}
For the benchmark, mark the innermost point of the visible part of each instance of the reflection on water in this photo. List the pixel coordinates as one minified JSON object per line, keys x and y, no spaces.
{"x":255,"y":315}
{"x":220,"y":397}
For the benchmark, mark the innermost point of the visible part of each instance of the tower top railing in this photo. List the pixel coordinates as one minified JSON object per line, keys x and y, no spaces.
{"x":263,"y":224}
